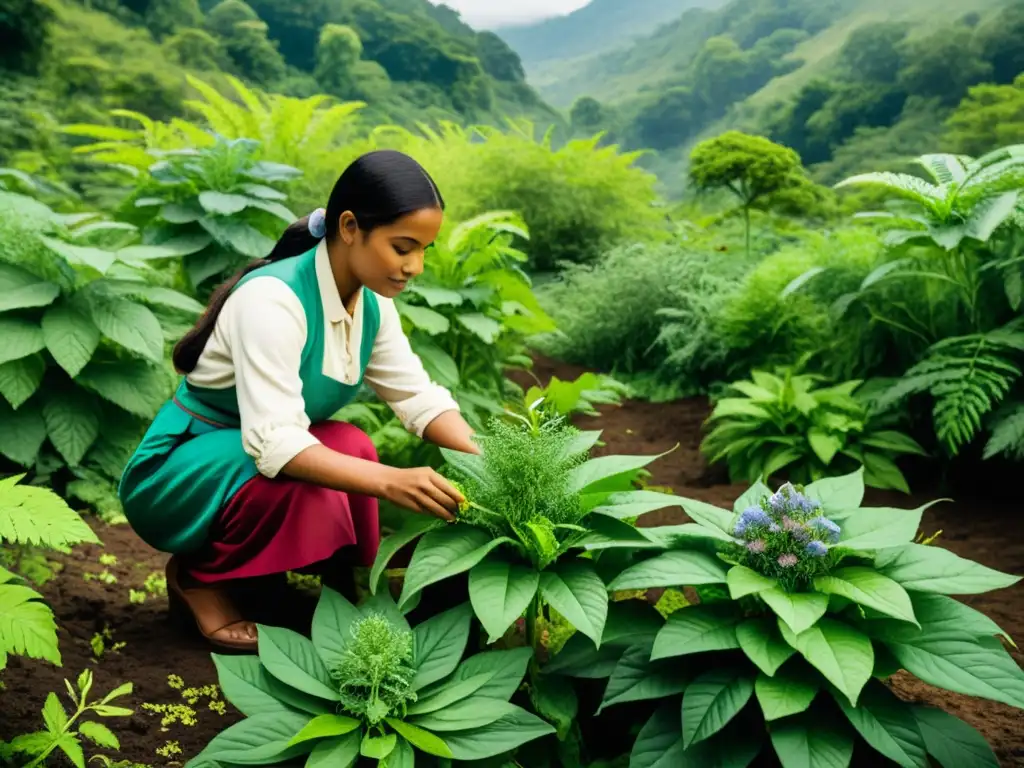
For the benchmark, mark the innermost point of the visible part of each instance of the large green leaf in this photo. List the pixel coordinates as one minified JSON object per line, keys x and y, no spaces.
{"x":136,"y":386}
{"x":881,"y":527}
{"x":505,"y":671}
{"x":635,"y":503}
{"x":841,"y":653}
{"x":629,"y":621}
{"x":447,"y":694}
{"x":761,"y":642}
{"x":788,"y":692}
{"x":222,"y":203}
{"x":951,"y":741}
{"x":942,"y":613}
{"x":332,"y":626}
{"x":804,"y":741}
{"x":20,"y":289}
{"x":501,"y":736}
{"x":485,"y":328}
{"x":293,"y":660}
{"x":710,"y":516}
{"x":887,"y":724}
{"x":444,"y":553}
{"x":636,"y":678}
{"x":924,"y":568}
{"x":127,"y":324}
{"x":865,"y":586}
{"x":800,"y":610}
{"x":696,"y":629}
{"x":339,"y":752}
{"x":745,"y":581}
{"x":500,"y":592}
{"x":957,"y":660}
{"x":436,"y":296}
{"x":72,"y":423}
{"x":20,"y":379}
{"x":27,"y":626}
{"x":574,"y":589}
{"x":70,"y":337}
{"x":603,"y":467}
{"x":427,"y":320}
{"x":24,"y":432}
{"x":412,"y":528}
{"x":19,"y":338}
{"x":471,"y":712}
{"x":419,"y":738}
{"x":712,"y":700}
{"x":326,"y":726}
{"x":80,"y":256}
{"x":252,"y":691}
{"x":672,"y":569}
{"x":238,"y":236}
{"x":439,"y":643}
{"x":260,"y":739}
{"x":660,"y":742}
{"x":838,"y":494}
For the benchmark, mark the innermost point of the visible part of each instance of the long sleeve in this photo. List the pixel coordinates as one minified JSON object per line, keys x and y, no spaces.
{"x":398,"y":377}
{"x":263,"y":329}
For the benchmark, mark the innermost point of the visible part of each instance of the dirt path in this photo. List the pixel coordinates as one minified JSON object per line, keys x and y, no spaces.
{"x":154,"y":649}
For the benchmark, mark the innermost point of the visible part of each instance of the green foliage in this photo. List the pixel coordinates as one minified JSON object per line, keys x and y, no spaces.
{"x":791,"y":424}
{"x":577,"y":199}
{"x":32,"y":517}
{"x":534,"y":501}
{"x":68,"y":733}
{"x":990,"y":116}
{"x":216,"y":208}
{"x":84,"y":319}
{"x":369,"y":686}
{"x":871,"y":601}
{"x":471,"y":312}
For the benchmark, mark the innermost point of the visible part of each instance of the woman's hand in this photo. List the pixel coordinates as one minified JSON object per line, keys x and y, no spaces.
{"x":421,"y":490}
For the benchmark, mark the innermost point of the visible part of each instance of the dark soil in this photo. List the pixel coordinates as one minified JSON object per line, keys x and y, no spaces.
{"x":155,"y":648}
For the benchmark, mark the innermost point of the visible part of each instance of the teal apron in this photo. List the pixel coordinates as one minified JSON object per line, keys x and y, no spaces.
{"x":191,"y":461}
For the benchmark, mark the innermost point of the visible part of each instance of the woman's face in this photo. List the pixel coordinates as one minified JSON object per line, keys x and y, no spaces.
{"x":388,"y":257}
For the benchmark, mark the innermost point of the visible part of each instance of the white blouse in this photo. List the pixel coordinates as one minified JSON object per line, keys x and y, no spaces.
{"x":256,"y":347}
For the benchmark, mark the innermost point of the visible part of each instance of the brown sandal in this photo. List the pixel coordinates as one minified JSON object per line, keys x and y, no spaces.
{"x":206,"y":602}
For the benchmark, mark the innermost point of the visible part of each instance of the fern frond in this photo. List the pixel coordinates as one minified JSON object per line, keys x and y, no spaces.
{"x":968,"y":376}
{"x":903,"y":184}
{"x":27,"y":627}
{"x":1007,"y":438}
{"x":39,"y":517}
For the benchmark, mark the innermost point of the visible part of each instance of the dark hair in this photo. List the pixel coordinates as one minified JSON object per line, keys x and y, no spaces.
{"x":378,"y":188}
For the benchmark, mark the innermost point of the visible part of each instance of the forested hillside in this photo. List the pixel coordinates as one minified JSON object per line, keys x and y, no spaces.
{"x":597,"y":27}
{"x":837,"y":80}
{"x":408,"y":60}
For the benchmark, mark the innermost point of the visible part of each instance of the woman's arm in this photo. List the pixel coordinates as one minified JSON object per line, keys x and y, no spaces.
{"x":450,"y":430}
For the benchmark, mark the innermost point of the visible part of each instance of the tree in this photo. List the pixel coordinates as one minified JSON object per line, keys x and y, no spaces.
{"x":991,"y":116}
{"x":587,"y":114}
{"x":752,"y":168}
{"x":245,"y":38}
{"x":944,"y":65}
{"x":873,"y":51}
{"x":498,"y":59}
{"x":337,"y":55}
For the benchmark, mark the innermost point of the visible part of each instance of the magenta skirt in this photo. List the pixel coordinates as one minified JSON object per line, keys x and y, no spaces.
{"x":275,"y":525}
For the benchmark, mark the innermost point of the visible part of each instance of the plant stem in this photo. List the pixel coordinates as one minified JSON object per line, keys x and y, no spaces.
{"x":533,"y":613}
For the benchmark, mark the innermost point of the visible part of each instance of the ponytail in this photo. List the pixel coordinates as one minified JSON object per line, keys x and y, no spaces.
{"x":378,"y":189}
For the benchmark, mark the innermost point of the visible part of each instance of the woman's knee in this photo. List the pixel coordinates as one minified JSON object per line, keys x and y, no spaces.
{"x":345,"y":438}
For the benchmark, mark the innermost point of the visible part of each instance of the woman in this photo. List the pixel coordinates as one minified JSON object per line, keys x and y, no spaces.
{"x":242,"y":474}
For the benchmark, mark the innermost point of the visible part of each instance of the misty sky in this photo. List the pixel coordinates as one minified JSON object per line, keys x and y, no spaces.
{"x":490,"y":13}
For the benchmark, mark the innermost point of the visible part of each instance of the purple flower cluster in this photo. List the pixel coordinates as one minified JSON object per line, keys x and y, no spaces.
{"x":786,"y":534}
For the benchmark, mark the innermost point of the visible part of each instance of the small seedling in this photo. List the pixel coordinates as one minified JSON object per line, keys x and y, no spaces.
{"x":185,"y":713}
{"x":65,"y":733}
{"x":99,"y":643}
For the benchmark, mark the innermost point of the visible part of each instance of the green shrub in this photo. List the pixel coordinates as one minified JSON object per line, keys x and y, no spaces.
{"x":790,"y":424}
{"x":577,"y":200}
{"x":819,"y":601}
{"x":83,"y":329}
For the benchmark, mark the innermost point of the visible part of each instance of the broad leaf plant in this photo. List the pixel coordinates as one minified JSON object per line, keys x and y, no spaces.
{"x":368,"y":686}
{"x":810,"y":603}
